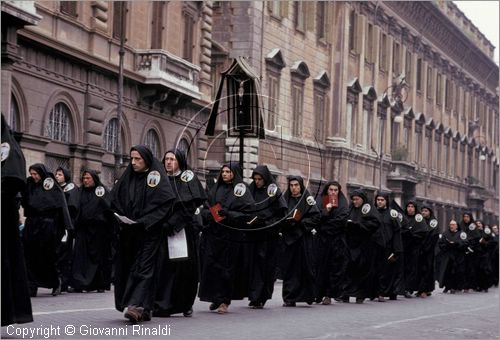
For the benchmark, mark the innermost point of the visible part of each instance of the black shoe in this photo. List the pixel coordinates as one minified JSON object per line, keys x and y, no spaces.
{"x":188,"y":313}
{"x":74,"y":290}
{"x":257,"y":305}
{"x":33,"y":291}
{"x":393,"y":297}
{"x":146,"y":315}
{"x":445,"y":290}
{"x":360,"y":300}
{"x":57,"y":291}
{"x":213,"y":306}
{"x":100,"y":290}
{"x":289,"y":304}
{"x":345,"y":299}
{"x":408,"y":295}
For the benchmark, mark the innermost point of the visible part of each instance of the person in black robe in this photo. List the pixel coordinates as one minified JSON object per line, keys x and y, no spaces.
{"x":298,"y":230}
{"x":494,"y":254}
{"x":362,"y":224}
{"x":16,"y":304}
{"x":228,"y":209}
{"x":177,"y":279}
{"x":93,"y":235}
{"x":413,"y":232}
{"x":427,"y":282}
{"x":484,"y":271}
{"x":144,"y":196}
{"x":47,"y":222}
{"x":65,"y":252}
{"x":452,"y":244}
{"x":261,"y":248}
{"x":333,"y":254}
{"x":390,"y":273}
{"x":468,"y":225}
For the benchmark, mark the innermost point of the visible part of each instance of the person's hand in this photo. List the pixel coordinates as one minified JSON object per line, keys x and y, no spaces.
{"x":313,"y":231}
{"x":329,"y":206}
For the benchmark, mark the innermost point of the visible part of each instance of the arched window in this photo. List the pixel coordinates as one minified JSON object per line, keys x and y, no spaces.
{"x":59,"y":122}
{"x":14,"y":114}
{"x":183,"y":145}
{"x":153,"y":142}
{"x":110,"y":140}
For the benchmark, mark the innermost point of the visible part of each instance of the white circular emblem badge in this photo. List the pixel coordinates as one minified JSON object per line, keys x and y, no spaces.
{"x":4,"y":151}
{"x":48,"y":183}
{"x":99,"y":191}
{"x":187,"y":176}
{"x":463,"y":235}
{"x":472,"y":227}
{"x":239,"y":189}
{"x":394,"y":213}
{"x":69,"y":187}
{"x":487,"y":231}
{"x":419,"y":218}
{"x":433,"y":223}
{"x":366,"y":208}
{"x":310,"y":200}
{"x":272,"y":189}
{"x":153,"y":178}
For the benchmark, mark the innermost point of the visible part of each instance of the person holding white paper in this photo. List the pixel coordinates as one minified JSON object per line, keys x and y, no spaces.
{"x":177,"y":265}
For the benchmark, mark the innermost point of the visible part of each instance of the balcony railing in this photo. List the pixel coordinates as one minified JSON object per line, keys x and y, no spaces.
{"x":160,"y":67}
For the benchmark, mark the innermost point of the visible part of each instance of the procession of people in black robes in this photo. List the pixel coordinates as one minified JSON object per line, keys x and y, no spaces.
{"x":161,"y":239}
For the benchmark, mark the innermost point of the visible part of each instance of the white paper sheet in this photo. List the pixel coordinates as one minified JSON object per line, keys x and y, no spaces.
{"x":177,"y":246}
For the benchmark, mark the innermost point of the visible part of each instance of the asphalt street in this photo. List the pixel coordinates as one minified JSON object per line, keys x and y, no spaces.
{"x":441,"y":316}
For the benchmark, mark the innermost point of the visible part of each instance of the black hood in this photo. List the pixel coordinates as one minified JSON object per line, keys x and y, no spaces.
{"x":235,"y":169}
{"x":426,"y":206}
{"x":414,"y":202}
{"x":360,"y":193}
{"x":145,"y":153}
{"x":42,"y":170}
{"x":66,"y":173}
{"x":94,"y":175}
{"x":298,"y":179}
{"x":263,"y":170}
{"x":180,"y":156}
{"x":386,"y":195}
{"x":342,"y":200}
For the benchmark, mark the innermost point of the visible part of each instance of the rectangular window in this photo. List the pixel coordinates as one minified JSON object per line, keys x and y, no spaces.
{"x":297,"y":105}
{"x":437,"y":160}
{"x":447,"y":94}
{"x":319,"y":114}
{"x":188,"y":42}
{"x":418,"y":147}
{"x":458,"y":94}
{"x":438,"y":89}
{"x":321,"y":11}
{"x":369,"y":44}
{"x":352,"y":30}
{"x":157,"y":25}
{"x":429,"y":151}
{"x":367,"y":126}
{"x":447,"y":159}
{"x":429,"y":82}
{"x":68,"y":8}
{"x":419,"y":74}
{"x":383,"y":52}
{"x":275,"y":8}
{"x":408,"y":68}
{"x":394,"y":136}
{"x":273,"y":102}
{"x":119,"y":15}
{"x":299,"y":16}
{"x":396,"y":59}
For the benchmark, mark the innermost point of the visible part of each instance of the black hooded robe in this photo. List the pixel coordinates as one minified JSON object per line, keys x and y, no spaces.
{"x":471,"y":252}
{"x":362,"y":224}
{"x":297,"y":263}
{"x":333,"y":254}
{"x":427,"y":255}
{"x":221,"y":251}
{"x":413,"y":232}
{"x":262,"y":246}
{"x":484,"y":270}
{"x":143,"y":197}
{"x":93,"y":236}
{"x":451,"y":271}
{"x":391,"y":276}
{"x":177,"y":280}
{"x":47,"y":218}
{"x":494,"y":259}
{"x":65,"y":252}
{"x":16,"y":304}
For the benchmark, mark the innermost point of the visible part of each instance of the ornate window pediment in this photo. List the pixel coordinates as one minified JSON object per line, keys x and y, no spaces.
{"x":275,"y":59}
{"x":300,"y":69}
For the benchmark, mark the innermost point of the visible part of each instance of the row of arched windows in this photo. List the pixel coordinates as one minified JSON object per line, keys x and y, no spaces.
{"x":59,"y":123}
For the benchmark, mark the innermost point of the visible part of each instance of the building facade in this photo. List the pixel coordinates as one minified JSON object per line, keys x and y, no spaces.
{"x":395,"y":95}
{"x":335,"y":75}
